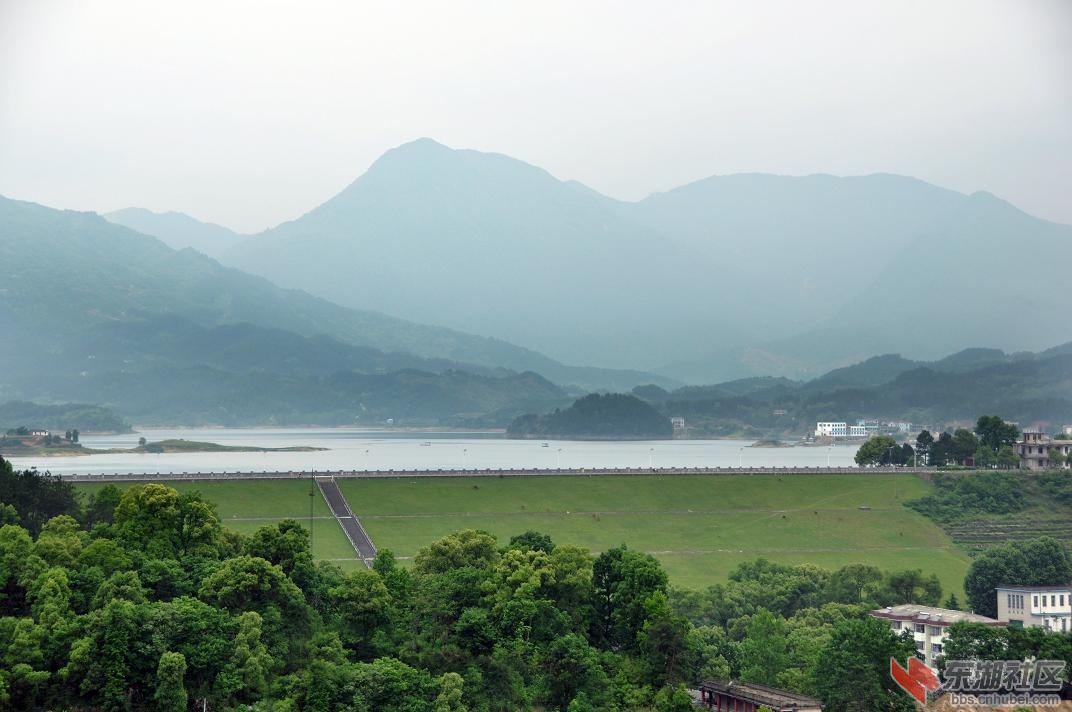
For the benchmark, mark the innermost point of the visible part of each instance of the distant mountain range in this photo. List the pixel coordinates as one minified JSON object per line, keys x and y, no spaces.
{"x":758,"y":283}
{"x":70,"y":275}
{"x":1032,"y":389}
{"x":727,"y":277}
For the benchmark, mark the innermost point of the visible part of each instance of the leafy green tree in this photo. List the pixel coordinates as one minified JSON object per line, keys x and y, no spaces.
{"x":286,"y":545}
{"x":674,"y":699}
{"x":449,"y":699}
{"x":122,"y":585}
{"x":572,"y":666}
{"x":924,"y":441}
{"x":763,"y":651}
{"x":623,"y":581}
{"x":249,"y":583}
{"x":464,"y":548}
{"x":158,"y":520}
{"x":854,"y":583}
{"x":362,"y":602}
{"x":101,"y":506}
{"x":663,"y":643}
{"x":246,"y":676}
{"x":170,"y":694}
{"x":852,"y":673}
{"x":532,"y":540}
{"x":1007,"y":457}
{"x":964,"y":445}
{"x":879,"y":450}
{"x":1035,"y":562}
{"x":910,"y":586}
{"x":995,"y":433}
{"x":60,"y":541}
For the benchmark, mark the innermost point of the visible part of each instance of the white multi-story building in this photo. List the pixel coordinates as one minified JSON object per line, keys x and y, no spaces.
{"x":1048,"y":607}
{"x":927,"y":626}
{"x":858,"y":431}
{"x":831,"y":430}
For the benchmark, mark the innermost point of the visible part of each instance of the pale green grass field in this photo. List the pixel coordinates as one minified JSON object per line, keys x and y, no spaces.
{"x":700,"y":527}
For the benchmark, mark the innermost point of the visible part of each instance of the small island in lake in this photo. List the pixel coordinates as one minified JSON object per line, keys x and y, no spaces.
{"x":180,"y":445}
{"x":42,"y":443}
{"x":614,"y":416}
{"x":771,"y":443}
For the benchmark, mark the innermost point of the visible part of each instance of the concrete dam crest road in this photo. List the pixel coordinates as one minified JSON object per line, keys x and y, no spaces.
{"x":351,"y":525}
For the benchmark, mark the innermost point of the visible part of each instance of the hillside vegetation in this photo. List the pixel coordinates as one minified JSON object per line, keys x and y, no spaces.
{"x":611,"y":416}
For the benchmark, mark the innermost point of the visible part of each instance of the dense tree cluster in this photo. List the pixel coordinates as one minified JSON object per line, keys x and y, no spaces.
{"x":613,"y":415}
{"x":959,"y":496}
{"x":990,"y":445}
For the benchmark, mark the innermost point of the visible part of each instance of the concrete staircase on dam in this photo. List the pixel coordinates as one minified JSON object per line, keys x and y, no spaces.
{"x":351,"y":525}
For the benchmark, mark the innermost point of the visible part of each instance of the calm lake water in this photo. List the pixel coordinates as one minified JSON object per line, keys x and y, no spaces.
{"x":364,"y":449}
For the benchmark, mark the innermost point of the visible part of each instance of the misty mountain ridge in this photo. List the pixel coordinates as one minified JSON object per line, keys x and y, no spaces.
{"x":177,"y":230}
{"x":729,"y":276}
{"x":85,"y":273}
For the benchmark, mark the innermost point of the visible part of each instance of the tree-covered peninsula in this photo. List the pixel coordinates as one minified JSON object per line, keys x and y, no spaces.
{"x":613,"y":416}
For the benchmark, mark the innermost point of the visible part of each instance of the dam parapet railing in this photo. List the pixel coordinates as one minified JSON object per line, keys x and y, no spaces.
{"x":489,"y":472}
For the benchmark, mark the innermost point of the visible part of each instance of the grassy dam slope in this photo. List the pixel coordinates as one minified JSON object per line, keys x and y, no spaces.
{"x":700,"y":527}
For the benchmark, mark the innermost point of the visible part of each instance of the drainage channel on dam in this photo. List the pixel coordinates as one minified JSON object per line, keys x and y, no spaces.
{"x":346,"y":518}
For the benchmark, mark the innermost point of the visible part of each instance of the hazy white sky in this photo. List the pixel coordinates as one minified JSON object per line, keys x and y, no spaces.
{"x":248,"y":113}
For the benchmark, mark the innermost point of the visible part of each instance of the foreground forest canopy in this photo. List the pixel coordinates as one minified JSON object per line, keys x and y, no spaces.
{"x":141,"y":599}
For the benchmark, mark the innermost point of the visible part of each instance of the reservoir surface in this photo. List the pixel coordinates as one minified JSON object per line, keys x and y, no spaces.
{"x":369,"y":449}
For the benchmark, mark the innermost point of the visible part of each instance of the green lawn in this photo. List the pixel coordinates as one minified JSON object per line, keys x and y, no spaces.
{"x":247,"y":505}
{"x":700,"y":527}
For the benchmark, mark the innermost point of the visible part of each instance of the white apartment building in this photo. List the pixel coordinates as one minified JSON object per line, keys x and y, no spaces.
{"x":927,"y":626}
{"x":1048,"y":607}
{"x":831,"y":430}
{"x":858,"y":431}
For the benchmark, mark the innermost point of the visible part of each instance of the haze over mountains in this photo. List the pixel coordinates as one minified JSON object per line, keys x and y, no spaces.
{"x":94,"y":312}
{"x":727,"y":277}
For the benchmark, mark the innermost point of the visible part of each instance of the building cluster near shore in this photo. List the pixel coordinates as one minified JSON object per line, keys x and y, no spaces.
{"x":1046,"y":607}
{"x":862,"y":429}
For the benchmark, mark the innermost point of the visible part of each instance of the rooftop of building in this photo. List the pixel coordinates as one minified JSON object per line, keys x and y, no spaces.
{"x":760,"y":694}
{"x":930,"y":615}
{"x":1057,"y":587}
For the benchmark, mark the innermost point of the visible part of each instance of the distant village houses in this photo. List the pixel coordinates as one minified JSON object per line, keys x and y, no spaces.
{"x":1036,"y":448}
